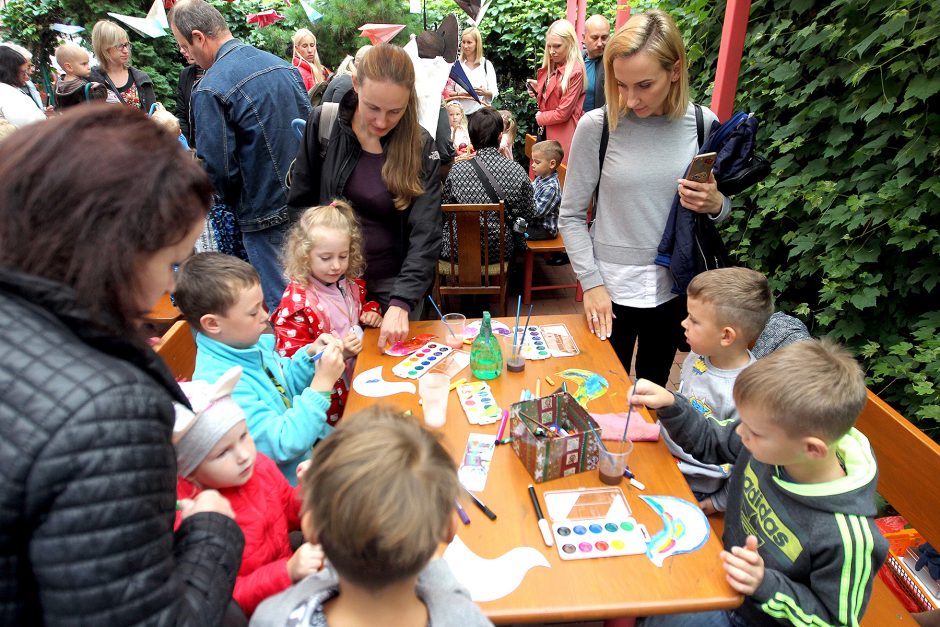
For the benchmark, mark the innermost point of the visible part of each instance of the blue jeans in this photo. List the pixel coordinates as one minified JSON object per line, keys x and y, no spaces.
{"x":264,"y":253}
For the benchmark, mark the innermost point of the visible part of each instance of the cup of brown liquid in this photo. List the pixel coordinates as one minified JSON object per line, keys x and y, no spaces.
{"x":612,"y":462}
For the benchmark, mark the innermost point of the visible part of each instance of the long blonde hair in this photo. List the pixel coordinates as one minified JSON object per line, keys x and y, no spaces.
{"x":337,"y":215}
{"x":104,"y":36}
{"x":316,"y":68}
{"x":565,"y":30}
{"x":401,"y":172}
{"x":474,"y":32}
{"x":656,"y":34}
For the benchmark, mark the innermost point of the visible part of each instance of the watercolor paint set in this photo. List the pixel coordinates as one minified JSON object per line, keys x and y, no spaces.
{"x":478,"y":403}
{"x":533,"y":344}
{"x":422,"y":360}
{"x":594,"y":522}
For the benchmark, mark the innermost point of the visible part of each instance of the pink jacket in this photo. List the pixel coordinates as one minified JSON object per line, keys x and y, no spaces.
{"x":558,"y":113}
{"x":266,"y":509}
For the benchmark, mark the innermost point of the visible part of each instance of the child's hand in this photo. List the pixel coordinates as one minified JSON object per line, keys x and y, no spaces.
{"x":371,"y":318}
{"x":306,"y":560}
{"x":648,"y":393}
{"x":329,"y":368}
{"x":707,"y":506}
{"x":324,"y":340}
{"x":352,"y":344}
{"x":744,"y":567}
{"x":302,"y":470}
{"x":206,"y":501}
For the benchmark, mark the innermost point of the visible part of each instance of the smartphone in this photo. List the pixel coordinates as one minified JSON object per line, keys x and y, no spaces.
{"x":530,"y":86}
{"x":701,"y":167}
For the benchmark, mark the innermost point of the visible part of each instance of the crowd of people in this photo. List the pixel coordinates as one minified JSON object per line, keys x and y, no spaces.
{"x":129,"y":498}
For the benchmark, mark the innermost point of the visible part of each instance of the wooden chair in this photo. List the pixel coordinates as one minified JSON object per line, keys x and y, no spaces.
{"x":177,"y":348}
{"x":545,"y":247}
{"x":164,"y":312}
{"x":463,"y":273}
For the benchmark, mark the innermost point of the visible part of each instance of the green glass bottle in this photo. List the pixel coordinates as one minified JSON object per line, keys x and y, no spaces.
{"x":486,"y":357}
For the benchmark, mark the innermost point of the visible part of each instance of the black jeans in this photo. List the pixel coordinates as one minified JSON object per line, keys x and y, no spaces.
{"x":655,"y":331}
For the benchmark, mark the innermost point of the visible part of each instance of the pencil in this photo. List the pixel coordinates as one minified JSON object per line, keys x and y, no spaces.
{"x":538,"y":388}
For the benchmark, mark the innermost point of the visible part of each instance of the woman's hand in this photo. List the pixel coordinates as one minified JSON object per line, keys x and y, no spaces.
{"x":394,"y":327}
{"x":701,"y":197}
{"x":206,"y":501}
{"x":598,"y":311}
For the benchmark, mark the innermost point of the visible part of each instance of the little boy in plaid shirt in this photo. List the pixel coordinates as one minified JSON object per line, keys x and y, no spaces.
{"x":546,"y":156}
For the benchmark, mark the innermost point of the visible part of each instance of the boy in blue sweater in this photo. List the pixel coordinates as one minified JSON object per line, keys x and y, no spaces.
{"x":800,"y":542}
{"x":285,"y":400}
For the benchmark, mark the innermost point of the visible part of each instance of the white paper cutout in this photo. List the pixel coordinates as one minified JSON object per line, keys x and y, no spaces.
{"x":154,"y":25}
{"x":685,"y":528}
{"x":491,"y":579}
{"x":370,"y":383}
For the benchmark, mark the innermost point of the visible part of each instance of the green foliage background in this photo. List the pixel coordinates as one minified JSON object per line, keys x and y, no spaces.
{"x":846,"y":226}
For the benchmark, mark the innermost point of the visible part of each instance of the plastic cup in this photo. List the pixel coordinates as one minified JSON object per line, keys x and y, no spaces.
{"x":515,"y":363}
{"x":433,"y":388}
{"x":456,"y":323}
{"x":612,"y":462}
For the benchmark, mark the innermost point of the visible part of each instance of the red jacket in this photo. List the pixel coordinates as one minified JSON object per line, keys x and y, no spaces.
{"x":558,"y":113}
{"x":298,"y":323}
{"x":306,"y":72}
{"x":266,"y":509}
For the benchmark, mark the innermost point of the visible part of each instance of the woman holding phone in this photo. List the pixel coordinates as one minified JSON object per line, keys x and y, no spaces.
{"x":653,"y":136}
{"x":559,"y":85}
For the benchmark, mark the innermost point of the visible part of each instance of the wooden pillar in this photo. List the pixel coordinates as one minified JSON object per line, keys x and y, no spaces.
{"x":729,"y":57}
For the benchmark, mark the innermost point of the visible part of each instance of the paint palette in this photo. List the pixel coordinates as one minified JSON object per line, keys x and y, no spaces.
{"x":478,"y":403}
{"x":533,"y":344}
{"x":421,"y":360}
{"x":472,"y":330}
{"x":594,"y":522}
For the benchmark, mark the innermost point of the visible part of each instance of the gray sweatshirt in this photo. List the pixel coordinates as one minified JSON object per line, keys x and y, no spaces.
{"x":448,"y":602}
{"x":645,"y":159}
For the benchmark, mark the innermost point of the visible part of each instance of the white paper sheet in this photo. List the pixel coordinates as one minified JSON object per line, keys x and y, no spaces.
{"x":491,"y":579}
{"x":370,"y":383}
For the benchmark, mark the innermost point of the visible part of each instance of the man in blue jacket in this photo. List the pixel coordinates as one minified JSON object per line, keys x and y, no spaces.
{"x":243,"y":108}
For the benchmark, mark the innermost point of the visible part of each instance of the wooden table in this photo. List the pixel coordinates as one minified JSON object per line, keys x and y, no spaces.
{"x":570,"y":590}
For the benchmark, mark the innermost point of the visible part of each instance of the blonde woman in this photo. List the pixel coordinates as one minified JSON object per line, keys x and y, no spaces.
{"x":126,"y":85}
{"x":559,"y":85}
{"x":479,"y":71}
{"x":380,"y":160}
{"x":627,"y":297}
{"x":307,"y":59}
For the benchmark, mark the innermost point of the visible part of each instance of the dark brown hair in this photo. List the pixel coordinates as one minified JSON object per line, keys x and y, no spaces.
{"x":485,"y":127}
{"x":88,"y":195}
{"x":381,"y":494}
{"x":210,"y":283}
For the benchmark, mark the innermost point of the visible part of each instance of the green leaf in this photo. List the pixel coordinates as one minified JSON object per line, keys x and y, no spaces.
{"x":922,"y":87}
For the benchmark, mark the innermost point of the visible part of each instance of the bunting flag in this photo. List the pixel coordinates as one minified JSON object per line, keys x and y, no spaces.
{"x":312,"y":14}
{"x":154,"y":25}
{"x":380,"y":33}
{"x":264,"y":18}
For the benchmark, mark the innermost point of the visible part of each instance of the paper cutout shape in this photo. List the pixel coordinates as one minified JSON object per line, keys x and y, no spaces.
{"x":264,"y":18}
{"x":67,"y":29}
{"x":312,"y":14}
{"x":685,"y":528}
{"x":370,"y":383}
{"x":491,"y":579}
{"x":460,"y":77}
{"x":430,"y":78}
{"x":380,"y":33}
{"x":590,"y":385}
{"x":475,"y":9}
{"x":154,"y":25}
{"x":473,"y":329}
{"x":406,"y":347}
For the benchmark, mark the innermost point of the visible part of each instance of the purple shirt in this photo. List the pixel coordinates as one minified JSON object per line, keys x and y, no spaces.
{"x":381,"y":223}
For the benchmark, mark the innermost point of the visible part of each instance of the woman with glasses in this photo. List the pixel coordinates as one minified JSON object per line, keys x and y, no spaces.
{"x":15,"y":106}
{"x":126,"y":84}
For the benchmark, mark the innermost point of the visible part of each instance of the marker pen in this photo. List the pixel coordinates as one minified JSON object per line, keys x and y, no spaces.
{"x":543,"y":524}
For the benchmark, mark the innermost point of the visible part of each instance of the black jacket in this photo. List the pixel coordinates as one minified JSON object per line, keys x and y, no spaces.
{"x":144,"y":85}
{"x":315,"y":183}
{"x":184,"y":92}
{"x":88,"y":477}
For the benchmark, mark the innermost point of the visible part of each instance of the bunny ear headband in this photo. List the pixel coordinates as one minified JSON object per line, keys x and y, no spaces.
{"x":202,"y":396}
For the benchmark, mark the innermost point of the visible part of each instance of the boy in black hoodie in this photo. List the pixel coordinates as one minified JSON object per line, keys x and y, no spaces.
{"x":799,"y":538}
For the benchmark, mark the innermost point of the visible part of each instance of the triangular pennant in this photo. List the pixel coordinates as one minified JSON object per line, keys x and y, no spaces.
{"x":460,"y":77}
{"x":312,"y":14}
{"x":380,"y":33}
{"x":264,"y":18}
{"x":154,"y":25}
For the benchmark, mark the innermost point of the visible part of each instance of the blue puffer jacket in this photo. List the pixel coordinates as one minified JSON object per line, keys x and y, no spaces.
{"x":285,"y":434}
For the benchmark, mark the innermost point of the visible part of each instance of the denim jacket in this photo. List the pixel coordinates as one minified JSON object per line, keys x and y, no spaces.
{"x":243,"y":108}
